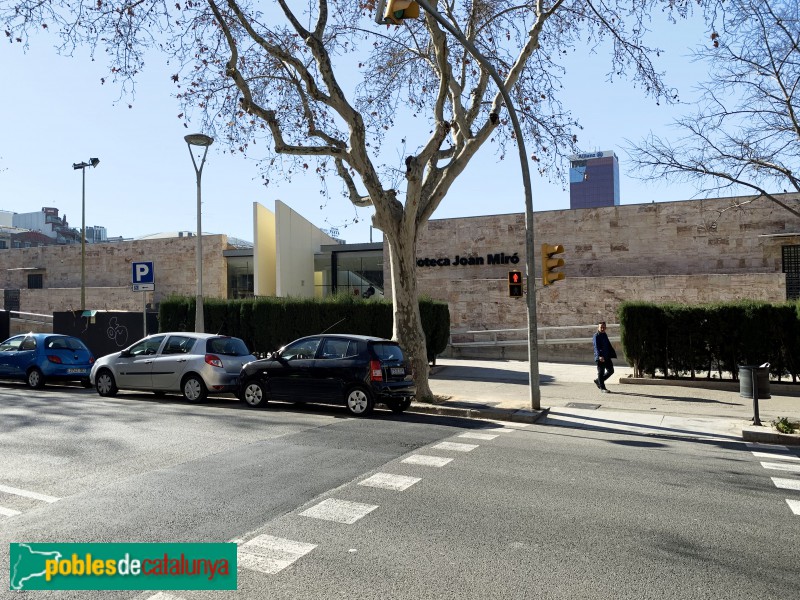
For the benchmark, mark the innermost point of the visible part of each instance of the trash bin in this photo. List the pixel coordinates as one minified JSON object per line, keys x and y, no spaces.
{"x":746,"y":380}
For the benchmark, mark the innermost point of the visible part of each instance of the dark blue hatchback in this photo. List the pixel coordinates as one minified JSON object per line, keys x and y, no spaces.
{"x":355,"y":370}
{"x":40,"y":357}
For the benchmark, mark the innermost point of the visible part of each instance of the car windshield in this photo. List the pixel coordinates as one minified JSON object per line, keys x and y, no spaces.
{"x":388,"y":351}
{"x":229,"y":346}
{"x":11,"y":344}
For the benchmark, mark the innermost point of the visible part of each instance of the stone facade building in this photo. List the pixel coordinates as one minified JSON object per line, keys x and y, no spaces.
{"x":696,"y":251}
{"x":693,"y":251}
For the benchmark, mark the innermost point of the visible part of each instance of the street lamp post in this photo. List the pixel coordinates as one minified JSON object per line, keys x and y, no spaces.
{"x":93,"y":162}
{"x":204,"y":141}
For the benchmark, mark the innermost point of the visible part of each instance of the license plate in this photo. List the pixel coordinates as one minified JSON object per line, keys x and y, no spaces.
{"x":82,"y":371}
{"x":397,"y":371}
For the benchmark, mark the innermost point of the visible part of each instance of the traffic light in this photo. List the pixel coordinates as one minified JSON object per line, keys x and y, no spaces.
{"x":549,"y":263}
{"x":515,"y":284}
{"x":397,"y":10}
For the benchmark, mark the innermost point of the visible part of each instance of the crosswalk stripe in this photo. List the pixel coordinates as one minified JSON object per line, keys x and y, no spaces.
{"x":769,"y":447}
{"x":270,"y":555}
{"x":782,"y":466}
{"x":428,"y":461}
{"x":794,"y":505}
{"x":36,"y":496}
{"x":786,"y":484}
{"x":339,"y":511}
{"x":774,"y":456}
{"x":478,"y":436}
{"x":455,"y":446}
{"x":9,"y":512}
{"x":388,"y":481}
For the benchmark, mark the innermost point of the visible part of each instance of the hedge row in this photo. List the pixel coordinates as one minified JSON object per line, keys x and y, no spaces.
{"x":266,"y":324}
{"x":690,"y":341}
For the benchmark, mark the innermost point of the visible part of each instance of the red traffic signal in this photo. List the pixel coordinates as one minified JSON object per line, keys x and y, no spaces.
{"x":515,"y":289}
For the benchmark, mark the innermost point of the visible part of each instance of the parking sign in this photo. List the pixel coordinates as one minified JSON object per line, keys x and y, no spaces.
{"x":143,"y":276}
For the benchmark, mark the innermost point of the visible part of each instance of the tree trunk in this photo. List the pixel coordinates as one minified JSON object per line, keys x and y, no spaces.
{"x":407,"y":321}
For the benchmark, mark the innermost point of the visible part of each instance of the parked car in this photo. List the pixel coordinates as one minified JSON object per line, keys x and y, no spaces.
{"x":190,"y":363}
{"x":38,"y":358}
{"x":355,"y":370}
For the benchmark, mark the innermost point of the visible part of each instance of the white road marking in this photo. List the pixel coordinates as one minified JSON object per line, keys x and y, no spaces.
{"x":165,"y":596}
{"x":9,"y":512}
{"x":455,"y":446}
{"x":339,"y":511}
{"x":428,"y":461}
{"x":270,"y":555}
{"x":508,"y":425}
{"x":781,"y":466}
{"x":36,"y":496}
{"x":786,"y":484}
{"x":773,"y":456}
{"x":769,"y":447}
{"x":478,"y":436}
{"x":794,"y":505}
{"x":388,"y":481}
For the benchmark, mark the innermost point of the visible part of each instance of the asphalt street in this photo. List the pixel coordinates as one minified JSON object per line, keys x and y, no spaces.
{"x":413,"y":506}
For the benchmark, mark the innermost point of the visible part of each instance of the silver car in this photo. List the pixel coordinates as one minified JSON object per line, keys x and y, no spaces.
{"x":193,"y":364}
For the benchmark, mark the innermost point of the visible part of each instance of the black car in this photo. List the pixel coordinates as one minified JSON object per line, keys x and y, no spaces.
{"x":355,"y":370}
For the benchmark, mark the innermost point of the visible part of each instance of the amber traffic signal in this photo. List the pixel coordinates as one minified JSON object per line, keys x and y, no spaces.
{"x":397,"y":10}
{"x":515,"y":284}
{"x":549,"y":263}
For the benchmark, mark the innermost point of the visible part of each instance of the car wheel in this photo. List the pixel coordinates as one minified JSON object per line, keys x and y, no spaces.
{"x":194,"y":390}
{"x":104,"y":383}
{"x":400,"y":406}
{"x":359,"y":402}
{"x":35,"y":379}
{"x":253,"y":394}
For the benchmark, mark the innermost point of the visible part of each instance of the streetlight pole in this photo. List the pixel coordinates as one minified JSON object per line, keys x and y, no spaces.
{"x":93,"y":162}
{"x":533,"y":348}
{"x":204,"y":141}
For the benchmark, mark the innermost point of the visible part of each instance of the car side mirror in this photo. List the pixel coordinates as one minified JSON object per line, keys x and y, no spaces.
{"x":125,"y":354}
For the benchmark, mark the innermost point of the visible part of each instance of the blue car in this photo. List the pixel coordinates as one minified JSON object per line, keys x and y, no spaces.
{"x":40,"y":357}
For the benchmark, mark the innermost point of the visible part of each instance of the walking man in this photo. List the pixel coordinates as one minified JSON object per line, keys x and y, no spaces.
{"x":603,"y":353}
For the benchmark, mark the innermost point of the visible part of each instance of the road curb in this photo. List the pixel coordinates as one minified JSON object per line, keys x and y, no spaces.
{"x":496,"y":414}
{"x":765,"y":435}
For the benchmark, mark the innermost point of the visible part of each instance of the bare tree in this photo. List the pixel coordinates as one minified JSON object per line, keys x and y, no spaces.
{"x":746,"y":132}
{"x":329,"y":89}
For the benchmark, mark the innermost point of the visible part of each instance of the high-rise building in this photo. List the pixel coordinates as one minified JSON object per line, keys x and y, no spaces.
{"x":594,"y":180}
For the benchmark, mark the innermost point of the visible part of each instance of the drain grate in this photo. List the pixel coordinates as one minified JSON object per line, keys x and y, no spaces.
{"x":585,"y":405}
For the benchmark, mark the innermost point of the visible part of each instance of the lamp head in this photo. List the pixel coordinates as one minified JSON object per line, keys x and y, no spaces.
{"x":94,"y":161}
{"x":198,"y":139}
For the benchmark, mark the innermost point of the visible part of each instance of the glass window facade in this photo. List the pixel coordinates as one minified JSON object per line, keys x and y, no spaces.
{"x":594,"y":181}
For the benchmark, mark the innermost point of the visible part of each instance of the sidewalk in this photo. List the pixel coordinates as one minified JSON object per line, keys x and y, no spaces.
{"x":498,"y":389}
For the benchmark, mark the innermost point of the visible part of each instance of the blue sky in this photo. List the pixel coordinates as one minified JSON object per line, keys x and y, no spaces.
{"x":56,"y":112}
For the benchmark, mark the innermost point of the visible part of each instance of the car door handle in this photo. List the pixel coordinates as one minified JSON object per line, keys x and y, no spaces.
{"x":181,"y":360}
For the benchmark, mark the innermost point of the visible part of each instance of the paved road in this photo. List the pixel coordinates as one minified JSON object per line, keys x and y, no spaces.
{"x":400,"y":507}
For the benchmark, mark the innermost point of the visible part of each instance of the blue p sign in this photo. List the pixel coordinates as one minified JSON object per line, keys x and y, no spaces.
{"x":142,"y":272}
